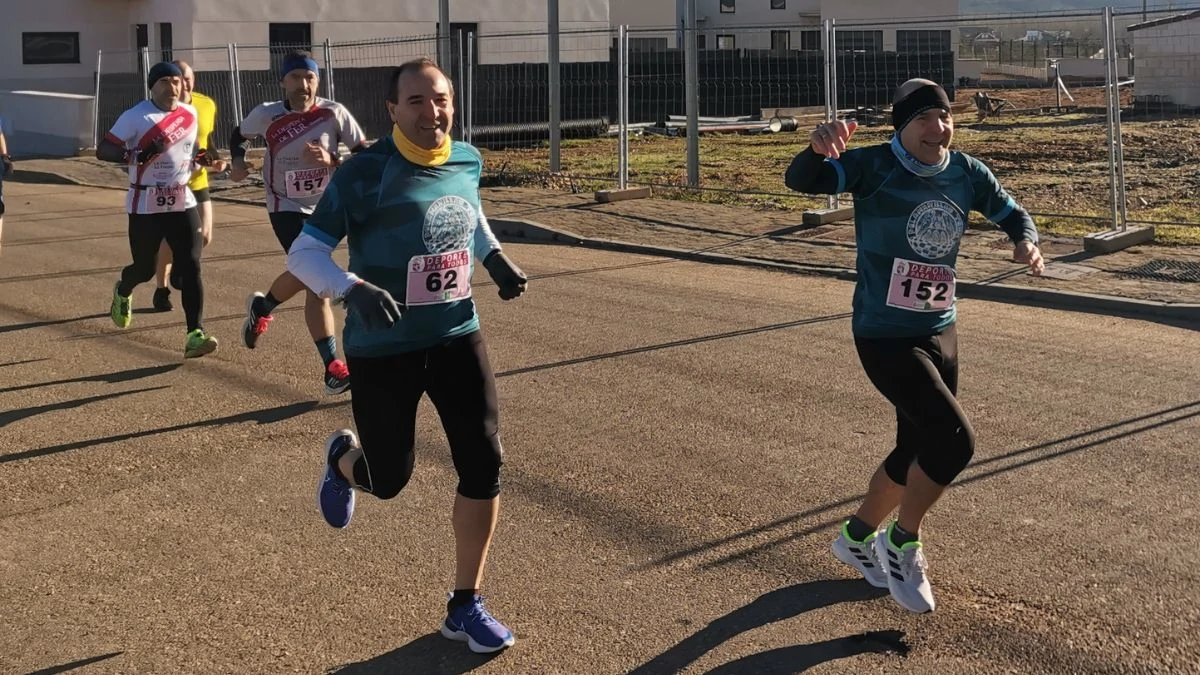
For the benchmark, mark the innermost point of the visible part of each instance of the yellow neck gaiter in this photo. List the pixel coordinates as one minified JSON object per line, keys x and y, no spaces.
{"x":418,"y":155}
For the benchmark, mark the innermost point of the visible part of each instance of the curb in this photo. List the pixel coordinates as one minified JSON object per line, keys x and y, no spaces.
{"x":518,"y":230}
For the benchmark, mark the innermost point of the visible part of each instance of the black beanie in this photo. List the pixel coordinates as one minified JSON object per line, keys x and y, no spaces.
{"x":923,"y":98}
{"x":161,"y":70}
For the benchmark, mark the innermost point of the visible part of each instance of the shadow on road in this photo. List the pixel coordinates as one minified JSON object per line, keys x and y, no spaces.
{"x":264,"y":416}
{"x":777,"y":605}
{"x":429,"y":654}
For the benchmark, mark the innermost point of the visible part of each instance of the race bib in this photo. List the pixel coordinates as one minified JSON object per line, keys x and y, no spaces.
{"x":439,"y":278}
{"x":918,"y":287}
{"x":306,"y":182}
{"x":166,"y":199}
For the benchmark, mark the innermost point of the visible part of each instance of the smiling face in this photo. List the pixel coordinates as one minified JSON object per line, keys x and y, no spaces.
{"x":424,"y":106}
{"x":189,"y":82}
{"x":927,"y":137}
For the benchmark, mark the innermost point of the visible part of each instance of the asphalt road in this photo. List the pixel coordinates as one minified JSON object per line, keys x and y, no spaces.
{"x":681,"y":440}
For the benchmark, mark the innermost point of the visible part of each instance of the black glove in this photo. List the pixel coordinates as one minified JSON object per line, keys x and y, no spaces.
{"x":201,"y":158}
{"x":151,"y":151}
{"x":376,"y":308}
{"x":508,"y":277}
{"x":8,"y":165}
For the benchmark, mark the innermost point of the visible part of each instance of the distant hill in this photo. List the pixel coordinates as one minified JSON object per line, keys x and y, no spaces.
{"x":1025,"y":6}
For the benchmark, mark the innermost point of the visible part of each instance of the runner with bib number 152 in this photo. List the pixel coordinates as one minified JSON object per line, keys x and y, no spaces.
{"x":911,"y":199}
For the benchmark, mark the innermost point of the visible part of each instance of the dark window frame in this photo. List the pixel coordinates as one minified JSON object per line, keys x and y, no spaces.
{"x":27,"y":60}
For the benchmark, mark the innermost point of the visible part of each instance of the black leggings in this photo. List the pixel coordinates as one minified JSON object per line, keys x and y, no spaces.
{"x":384,"y":393}
{"x":182,"y":232}
{"x":920,"y":377}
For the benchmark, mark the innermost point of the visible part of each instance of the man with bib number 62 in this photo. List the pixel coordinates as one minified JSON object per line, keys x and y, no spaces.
{"x":409,"y":209}
{"x":911,"y":198}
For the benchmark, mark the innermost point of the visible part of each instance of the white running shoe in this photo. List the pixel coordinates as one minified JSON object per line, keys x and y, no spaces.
{"x":861,"y":556}
{"x":905,"y":567}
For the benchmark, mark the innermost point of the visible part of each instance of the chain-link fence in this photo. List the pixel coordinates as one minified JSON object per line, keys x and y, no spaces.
{"x":1033,"y":98}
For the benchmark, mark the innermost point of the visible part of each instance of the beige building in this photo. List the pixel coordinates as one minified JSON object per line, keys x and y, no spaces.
{"x":867,"y":25}
{"x":53,"y":44}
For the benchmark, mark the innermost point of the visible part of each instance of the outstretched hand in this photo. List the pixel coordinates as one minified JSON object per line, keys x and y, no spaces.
{"x":830,"y":138}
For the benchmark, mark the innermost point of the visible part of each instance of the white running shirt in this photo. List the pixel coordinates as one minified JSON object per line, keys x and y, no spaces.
{"x":160,"y":185}
{"x":293,"y":182}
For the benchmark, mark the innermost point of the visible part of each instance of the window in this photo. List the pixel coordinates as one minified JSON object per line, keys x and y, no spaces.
{"x":860,"y":40}
{"x":701,"y":42}
{"x":728,"y":6}
{"x":45,"y":48}
{"x":781,"y":40}
{"x":647,"y":44}
{"x":166,"y":42}
{"x":778,"y":4}
{"x":923,"y":41}
{"x":725,"y":42}
{"x":810,"y":40}
{"x":287,"y":37}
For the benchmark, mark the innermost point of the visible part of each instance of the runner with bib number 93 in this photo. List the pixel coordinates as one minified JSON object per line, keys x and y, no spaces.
{"x":157,"y":139}
{"x":911,"y":199}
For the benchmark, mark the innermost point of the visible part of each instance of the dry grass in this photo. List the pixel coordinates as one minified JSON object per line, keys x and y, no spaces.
{"x":1054,"y":165}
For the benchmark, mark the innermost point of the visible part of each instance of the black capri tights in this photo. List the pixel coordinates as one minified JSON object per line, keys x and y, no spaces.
{"x":384,"y":393}
{"x":920,"y":377}
{"x":181,"y":230}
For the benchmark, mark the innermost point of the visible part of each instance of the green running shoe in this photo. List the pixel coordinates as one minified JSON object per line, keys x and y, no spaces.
{"x":122,"y":309}
{"x":199,"y":344}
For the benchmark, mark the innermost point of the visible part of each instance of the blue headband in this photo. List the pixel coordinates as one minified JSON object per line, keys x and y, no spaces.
{"x":298,"y":63}
{"x":161,"y":70}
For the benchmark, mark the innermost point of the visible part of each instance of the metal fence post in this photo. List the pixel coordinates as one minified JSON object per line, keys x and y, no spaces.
{"x":469,"y":95}
{"x":329,"y":71}
{"x":460,"y":76}
{"x":233,"y":87}
{"x":1114,"y":62}
{"x":622,"y":106}
{"x":830,"y":46}
{"x":443,"y":34}
{"x":691,"y":91}
{"x":236,"y":71}
{"x":555,"y":85}
{"x":145,"y":54}
{"x":1110,"y":95}
{"x":96,"y":100}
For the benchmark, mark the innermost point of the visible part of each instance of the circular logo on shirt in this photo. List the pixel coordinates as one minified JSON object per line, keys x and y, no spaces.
{"x":934,"y":229}
{"x":449,"y":222}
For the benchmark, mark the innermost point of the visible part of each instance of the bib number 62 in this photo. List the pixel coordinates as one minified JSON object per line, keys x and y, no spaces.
{"x":441,"y":281}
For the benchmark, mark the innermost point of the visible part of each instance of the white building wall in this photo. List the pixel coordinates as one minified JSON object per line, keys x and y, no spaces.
{"x":1168,"y":62}
{"x":100,"y":26}
{"x":753,"y":20}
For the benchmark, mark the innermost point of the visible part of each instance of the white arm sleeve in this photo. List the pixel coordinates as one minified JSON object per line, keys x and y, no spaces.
{"x":485,"y":240}
{"x":311,"y":260}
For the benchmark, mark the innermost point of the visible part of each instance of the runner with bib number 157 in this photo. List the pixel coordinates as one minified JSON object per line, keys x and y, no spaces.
{"x":302,"y":133}
{"x":911,"y":199}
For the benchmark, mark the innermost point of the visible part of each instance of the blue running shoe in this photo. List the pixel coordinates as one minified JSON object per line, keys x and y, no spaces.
{"x":335,"y":495}
{"x":473,"y":624}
